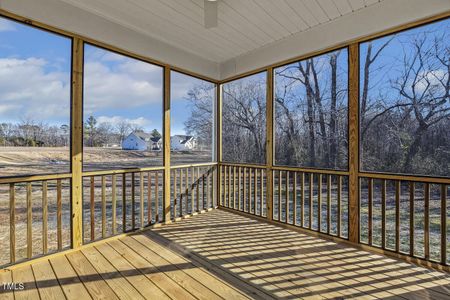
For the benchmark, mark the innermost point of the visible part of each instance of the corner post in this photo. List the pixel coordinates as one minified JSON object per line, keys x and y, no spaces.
{"x":353,"y":95}
{"x":269,"y":144}
{"x":166,"y":155}
{"x":219,"y":143}
{"x":77,"y":143}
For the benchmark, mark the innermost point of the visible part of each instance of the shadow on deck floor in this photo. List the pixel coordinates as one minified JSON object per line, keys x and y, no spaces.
{"x":222,"y":255}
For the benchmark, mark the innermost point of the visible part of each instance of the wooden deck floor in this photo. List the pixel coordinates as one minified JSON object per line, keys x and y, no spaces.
{"x":223,"y":255}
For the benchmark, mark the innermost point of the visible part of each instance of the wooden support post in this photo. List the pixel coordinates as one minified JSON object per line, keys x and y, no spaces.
{"x":218,"y":140}
{"x":77,"y":144}
{"x":269,"y":144}
{"x":166,"y":133}
{"x":353,"y":101}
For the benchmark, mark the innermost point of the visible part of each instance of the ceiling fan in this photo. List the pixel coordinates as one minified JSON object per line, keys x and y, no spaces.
{"x":210,"y":13}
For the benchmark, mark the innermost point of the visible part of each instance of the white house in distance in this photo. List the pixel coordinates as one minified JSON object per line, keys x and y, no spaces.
{"x":141,"y":141}
{"x":182,"y":143}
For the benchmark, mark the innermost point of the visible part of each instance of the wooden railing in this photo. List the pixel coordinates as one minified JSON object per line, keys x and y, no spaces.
{"x":36,"y":220}
{"x":192,"y":189}
{"x":116,"y":202}
{"x":244,"y":188}
{"x":315,"y":200}
{"x":407,"y":217}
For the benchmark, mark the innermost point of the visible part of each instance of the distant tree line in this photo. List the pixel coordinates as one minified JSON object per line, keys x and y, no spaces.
{"x":29,"y":133}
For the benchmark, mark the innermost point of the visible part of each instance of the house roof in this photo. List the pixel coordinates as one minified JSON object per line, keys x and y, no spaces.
{"x":183,"y":138}
{"x":146,"y":136}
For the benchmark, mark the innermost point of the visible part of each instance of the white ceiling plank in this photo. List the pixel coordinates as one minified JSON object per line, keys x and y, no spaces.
{"x":125,"y":18}
{"x":195,"y":12}
{"x":330,"y":8}
{"x":317,"y":11}
{"x":303,"y":12}
{"x":356,"y":4}
{"x":195,"y":31}
{"x":343,"y":6}
{"x":285,"y":15}
{"x":255,"y":15}
{"x":370,"y":2}
{"x":221,"y":33}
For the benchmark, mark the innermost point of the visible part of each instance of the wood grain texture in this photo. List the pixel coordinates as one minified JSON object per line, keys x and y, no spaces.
{"x":353,"y":103}
{"x":77,"y":143}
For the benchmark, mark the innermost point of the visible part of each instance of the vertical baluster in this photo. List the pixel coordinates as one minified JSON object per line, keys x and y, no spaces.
{"x":311,"y":192}
{"x":149,"y":198}
{"x":114,"y":203}
{"x":92,"y":207}
{"x":124,"y":202}
{"x":208,"y":188}
{"x":192,"y":190}
{"x":240,"y":188}
{"x":197,"y":189}
{"x":255,"y":194}
{"x":29,"y":222}
{"x":411,"y":217}
{"x":245,"y":189}
{"x":261,"y":191}
{"x":397,"y":216}
{"x":383,"y":214}
{"x":141,"y":198}
{"x":44,"y":217}
{"x":427,"y":221}
{"x":280,"y":181}
{"x":294,"y":187}
{"x":225,"y":186}
{"x":59,"y":213}
{"x":328,"y":204}
{"x":203,"y":190}
{"x":319,"y":204}
{"x":157,"y":218}
{"x":133,"y":206}
{"x":181,"y":192}
{"x":250,"y":202}
{"x":174,"y":174}
{"x":370,"y":205}
{"x":443,"y":224}
{"x":339,"y":205}
{"x":186,"y":179}
{"x":104,"y":206}
{"x":234,"y":187}
{"x":12,"y":223}
{"x":287,"y":197}
{"x":302,"y":186}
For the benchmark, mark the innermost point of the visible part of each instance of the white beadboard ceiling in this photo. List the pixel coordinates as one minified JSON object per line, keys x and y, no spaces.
{"x":243,"y":25}
{"x":250,"y":33}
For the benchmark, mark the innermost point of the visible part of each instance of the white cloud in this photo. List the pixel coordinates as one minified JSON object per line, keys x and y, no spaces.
{"x":130,"y":85}
{"x":28,"y":91}
{"x":115,"y":120}
{"x":6,"y":25}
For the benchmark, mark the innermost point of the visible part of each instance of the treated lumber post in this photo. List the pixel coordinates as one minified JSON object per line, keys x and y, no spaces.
{"x":77,"y":141}
{"x":353,"y":226}
{"x":219,"y":144}
{"x":269,"y":144}
{"x":166,"y":133}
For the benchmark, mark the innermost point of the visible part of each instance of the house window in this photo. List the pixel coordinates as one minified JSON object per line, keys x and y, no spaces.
{"x":192,"y":122}
{"x":34,"y":101}
{"x":244,"y":120}
{"x":123,"y":105}
{"x":311,"y":112}
{"x":404,"y":102}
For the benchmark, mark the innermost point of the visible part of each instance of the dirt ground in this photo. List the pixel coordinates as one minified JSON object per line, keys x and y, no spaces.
{"x":16,"y":161}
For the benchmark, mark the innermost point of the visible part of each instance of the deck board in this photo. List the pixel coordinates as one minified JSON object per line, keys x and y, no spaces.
{"x":222,"y":255}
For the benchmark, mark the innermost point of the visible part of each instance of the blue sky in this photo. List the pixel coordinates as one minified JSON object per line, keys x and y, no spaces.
{"x":35,"y":83}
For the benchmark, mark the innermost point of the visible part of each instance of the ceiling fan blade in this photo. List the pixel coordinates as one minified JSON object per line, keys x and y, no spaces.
{"x":210,"y":13}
